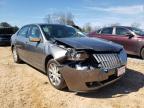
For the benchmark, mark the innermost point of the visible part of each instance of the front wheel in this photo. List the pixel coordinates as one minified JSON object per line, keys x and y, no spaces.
{"x":54,"y":75}
{"x":142,"y":53}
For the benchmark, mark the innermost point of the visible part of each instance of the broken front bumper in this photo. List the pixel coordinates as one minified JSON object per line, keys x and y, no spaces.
{"x":86,"y":80}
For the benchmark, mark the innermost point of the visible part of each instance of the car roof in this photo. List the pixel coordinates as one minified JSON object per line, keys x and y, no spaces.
{"x":127,"y":27}
{"x":122,"y":26}
{"x":41,"y":24}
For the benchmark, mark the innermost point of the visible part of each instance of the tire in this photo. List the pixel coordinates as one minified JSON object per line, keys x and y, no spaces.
{"x":15,"y":55}
{"x":54,"y":75}
{"x":142,"y":53}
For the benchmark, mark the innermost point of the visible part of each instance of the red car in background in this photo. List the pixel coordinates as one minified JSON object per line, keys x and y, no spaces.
{"x":130,"y":37}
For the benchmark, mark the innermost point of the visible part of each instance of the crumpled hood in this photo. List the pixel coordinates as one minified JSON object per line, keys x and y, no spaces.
{"x":95,"y":44}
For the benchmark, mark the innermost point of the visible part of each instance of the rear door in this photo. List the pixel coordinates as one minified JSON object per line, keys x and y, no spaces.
{"x":107,"y":33}
{"x":21,"y":41}
{"x":130,"y":44}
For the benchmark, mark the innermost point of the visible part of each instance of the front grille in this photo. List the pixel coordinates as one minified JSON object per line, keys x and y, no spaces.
{"x":108,"y":61}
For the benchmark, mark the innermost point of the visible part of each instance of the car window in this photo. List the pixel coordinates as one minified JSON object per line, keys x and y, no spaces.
{"x":121,"y":31}
{"x":98,"y":31}
{"x":23,"y":32}
{"x":137,"y":31}
{"x":107,"y":31}
{"x":35,"y":32}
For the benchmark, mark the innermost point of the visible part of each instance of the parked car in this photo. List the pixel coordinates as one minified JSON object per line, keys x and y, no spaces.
{"x":130,"y":37}
{"x":68,"y":57}
{"x":5,"y":35}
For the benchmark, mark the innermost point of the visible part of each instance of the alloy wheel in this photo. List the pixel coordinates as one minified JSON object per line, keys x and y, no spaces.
{"x":54,"y":75}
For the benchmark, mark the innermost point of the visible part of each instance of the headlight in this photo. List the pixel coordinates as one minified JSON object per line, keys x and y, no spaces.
{"x":123,"y":56}
{"x":77,"y":56}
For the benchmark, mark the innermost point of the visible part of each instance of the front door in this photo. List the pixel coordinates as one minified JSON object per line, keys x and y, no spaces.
{"x":35,"y":50}
{"x":129,"y":43}
{"x":107,"y":33}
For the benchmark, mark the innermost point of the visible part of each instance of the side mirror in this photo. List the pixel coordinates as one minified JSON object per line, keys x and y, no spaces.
{"x":34,"y":39}
{"x":130,"y":35}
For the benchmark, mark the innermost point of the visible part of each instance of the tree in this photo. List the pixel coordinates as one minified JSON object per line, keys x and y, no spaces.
{"x":135,"y":24}
{"x":96,"y":28}
{"x":70,"y":19}
{"x":115,"y":24}
{"x":48,"y":19}
{"x":60,"y":18}
{"x":87,"y":28}
{"x":5,"y":24}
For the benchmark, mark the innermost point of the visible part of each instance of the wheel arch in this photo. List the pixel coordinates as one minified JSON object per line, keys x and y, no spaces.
{"x":141,"y":50}
{"x":12,"y":46}
{"x":49,"y":57}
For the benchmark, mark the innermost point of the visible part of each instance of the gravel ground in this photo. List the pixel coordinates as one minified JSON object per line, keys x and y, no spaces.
{"x":22,"y":86}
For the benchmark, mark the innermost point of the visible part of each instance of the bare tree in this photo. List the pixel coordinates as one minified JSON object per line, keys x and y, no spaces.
{"x":135,"y":24}
{"x":70,"y":19}
{"x":115,"y":24}
{"x":60,"y":18}
{"x":87,"y":28}
{"x":48,"y":19}
{"x":96,"y":28}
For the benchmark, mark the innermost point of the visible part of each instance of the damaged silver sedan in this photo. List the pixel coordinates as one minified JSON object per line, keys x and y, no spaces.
{"x":68,"y":57}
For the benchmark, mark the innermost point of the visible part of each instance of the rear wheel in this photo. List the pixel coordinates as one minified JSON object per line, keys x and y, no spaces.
{"x":142,"y":53}
{"x":54,"y":75}
{"x":15,"y":55}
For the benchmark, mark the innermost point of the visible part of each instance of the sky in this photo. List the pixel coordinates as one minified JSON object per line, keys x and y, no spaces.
{"x":96,"y":12}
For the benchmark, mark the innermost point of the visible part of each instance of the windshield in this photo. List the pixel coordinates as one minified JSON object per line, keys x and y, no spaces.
{"x":137,"y":31}
{"x":60,"y":31}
